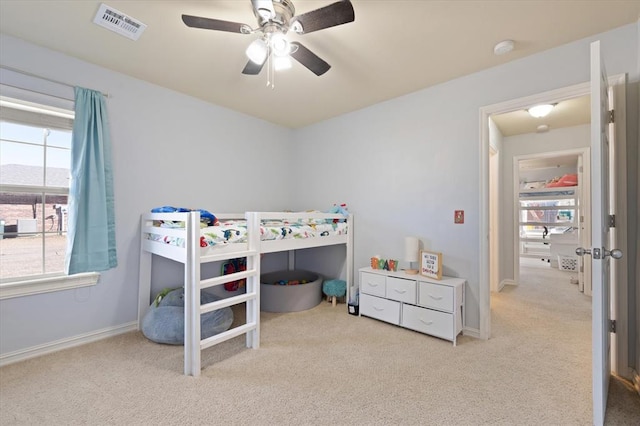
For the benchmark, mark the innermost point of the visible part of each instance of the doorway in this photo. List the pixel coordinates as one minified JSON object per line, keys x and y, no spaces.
{"x":492,"y":140}
{"x":487,"y":254}
{"x":550,"y":206}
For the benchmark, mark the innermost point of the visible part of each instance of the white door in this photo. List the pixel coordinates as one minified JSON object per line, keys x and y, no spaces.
{"x":584,"y":221}
{"x":600,"y":254}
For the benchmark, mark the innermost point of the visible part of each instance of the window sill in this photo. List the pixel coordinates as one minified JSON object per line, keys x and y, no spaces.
{"x":47,"y":284}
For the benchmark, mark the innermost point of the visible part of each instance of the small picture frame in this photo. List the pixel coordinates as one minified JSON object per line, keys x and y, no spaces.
{"x":431,"y":264}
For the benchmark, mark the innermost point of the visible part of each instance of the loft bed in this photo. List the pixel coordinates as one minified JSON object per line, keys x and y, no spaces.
{"x":544,"y":210}
{"x":180,"y":237}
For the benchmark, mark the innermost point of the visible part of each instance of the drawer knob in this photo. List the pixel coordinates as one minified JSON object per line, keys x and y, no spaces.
{"x":435,"y":297}
{"x":372,"y":284}
{"x":426,"y":322}
{"x":400,"y":291}
{"x":378,"y":309}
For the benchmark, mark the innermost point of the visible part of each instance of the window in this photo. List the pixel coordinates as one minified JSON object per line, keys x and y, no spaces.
{"x":35,"y":157}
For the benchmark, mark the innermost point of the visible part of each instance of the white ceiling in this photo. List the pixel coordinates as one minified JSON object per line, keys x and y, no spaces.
{"x":393,"y":48}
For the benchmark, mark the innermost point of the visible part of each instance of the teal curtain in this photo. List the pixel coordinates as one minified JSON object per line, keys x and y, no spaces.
{"x":91,"y":239}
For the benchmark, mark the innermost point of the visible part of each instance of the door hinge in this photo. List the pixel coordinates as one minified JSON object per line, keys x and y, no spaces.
{"x":612,"y":221}
{"x":612,"y":326}
{"x":612,"y":116}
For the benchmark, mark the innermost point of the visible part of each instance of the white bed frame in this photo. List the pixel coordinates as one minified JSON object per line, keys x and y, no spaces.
{"x":192,"y":256}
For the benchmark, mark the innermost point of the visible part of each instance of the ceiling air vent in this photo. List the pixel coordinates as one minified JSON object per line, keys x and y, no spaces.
{"x":118,"y":22}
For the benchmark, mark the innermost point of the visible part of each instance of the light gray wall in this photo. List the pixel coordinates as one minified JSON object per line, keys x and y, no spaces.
{"x":495,"y":199}
{"x":168,"y":149}
{"x":405,"y":165}
{"x":495,"y":136}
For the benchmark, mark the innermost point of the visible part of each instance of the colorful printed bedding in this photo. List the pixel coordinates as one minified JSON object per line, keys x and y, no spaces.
{"x":229,"y":232}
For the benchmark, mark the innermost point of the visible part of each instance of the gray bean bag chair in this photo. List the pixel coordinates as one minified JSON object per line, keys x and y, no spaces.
{"x":164,"y":322}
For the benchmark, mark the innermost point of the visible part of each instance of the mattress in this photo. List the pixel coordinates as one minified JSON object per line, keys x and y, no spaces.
{"x":230,"y":232}
{"x":547,"y":193}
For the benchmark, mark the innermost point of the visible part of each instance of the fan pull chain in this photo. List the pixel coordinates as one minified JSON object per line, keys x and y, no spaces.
{"x":268,"y":69}
{"x":271,"y":73}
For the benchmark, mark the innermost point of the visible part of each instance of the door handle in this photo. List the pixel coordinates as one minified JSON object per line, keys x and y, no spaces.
{"x":615,"y":253}
{"x":582,"y":251}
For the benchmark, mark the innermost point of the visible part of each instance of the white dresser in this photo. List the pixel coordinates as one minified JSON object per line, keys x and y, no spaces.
{"x":416,"y":302}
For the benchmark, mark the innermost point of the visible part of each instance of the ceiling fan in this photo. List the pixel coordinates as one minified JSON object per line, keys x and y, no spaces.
{"x":275,"y":19}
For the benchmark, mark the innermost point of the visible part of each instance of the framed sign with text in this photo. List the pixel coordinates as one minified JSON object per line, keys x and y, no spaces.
{"x":431,"y":264}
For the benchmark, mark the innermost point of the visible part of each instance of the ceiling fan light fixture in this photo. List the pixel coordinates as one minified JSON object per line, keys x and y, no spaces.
{"x":257,"y":51}
{"x":264,"y":9}
{"x":296,"y":27}
{"x":276,"y":18}
{"x":265,"y":14}
{"x":281,"y":63}
{"x":541,"y":110}
{"x":280,"y":45}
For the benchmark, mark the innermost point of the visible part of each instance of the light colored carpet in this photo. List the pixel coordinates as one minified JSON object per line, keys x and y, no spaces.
{"x":323,"y":366}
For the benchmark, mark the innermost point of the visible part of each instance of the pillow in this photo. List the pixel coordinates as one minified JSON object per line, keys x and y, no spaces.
{"x":206,"y":217}
{"x":566,"y":180}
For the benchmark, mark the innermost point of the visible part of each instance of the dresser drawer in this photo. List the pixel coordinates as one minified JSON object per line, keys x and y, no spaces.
{"x":372,"y":284}
{"x":436,"y":296}
{"x":382,"y":309}
{"x":427,"y":321}
{"x":401,"y":290}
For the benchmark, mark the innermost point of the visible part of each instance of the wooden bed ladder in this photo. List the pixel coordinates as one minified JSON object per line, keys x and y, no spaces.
{"x":193,"y":345}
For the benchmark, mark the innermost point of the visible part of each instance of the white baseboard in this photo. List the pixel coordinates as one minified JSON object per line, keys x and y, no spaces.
{"x":504,"y":283}
{"x":472,"y":332}
{"x":70,"y":342}
{"x":636,"y":381}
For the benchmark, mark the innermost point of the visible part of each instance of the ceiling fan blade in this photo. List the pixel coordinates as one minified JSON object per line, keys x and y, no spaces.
{"x":329,"y":16}
{"x":252,"y":68}
{"x":215,"y":24}
{"x":264,"y":8}
{"x":309,"y":59}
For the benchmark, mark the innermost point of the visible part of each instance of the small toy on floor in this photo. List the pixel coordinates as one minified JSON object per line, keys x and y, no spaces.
{"x":291,"y":282}
{"x":334,"y":289}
